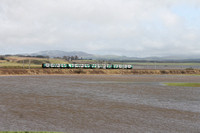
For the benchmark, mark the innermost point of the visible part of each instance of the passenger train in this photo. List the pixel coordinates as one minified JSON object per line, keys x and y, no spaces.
{"x":88,"y":66}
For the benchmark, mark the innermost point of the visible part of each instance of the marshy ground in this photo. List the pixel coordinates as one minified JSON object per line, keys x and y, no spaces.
{"x":99,"y":103}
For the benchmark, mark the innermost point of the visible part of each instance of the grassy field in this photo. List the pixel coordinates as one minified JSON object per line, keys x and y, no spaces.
{"x":23,"y":62}
{"x":184,"y":84}
{"x":164,"y":64}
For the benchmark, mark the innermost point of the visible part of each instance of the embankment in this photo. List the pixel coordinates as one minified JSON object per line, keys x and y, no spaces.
{"x":41,"y":71}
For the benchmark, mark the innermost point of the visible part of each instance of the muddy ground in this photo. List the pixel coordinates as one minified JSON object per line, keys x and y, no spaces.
{"x":99,"y":103}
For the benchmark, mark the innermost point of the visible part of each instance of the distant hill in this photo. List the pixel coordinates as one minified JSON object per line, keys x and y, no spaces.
{"x":84,"y":55}
{"x":59,"y":53}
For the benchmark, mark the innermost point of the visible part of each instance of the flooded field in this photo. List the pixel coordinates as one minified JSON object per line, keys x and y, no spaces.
{"x":99,"y":103}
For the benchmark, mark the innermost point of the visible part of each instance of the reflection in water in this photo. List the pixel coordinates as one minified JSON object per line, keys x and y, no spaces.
{"x":99,"y":103}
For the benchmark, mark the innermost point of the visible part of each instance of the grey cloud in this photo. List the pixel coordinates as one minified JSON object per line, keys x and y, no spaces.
{"x":123,"y":27}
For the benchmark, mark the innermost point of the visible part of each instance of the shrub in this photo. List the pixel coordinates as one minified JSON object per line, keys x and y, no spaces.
{"x":37,"y":62}
{"x":190,"y":68}
{"x":79,"y":71}
{"x":2,"y":58}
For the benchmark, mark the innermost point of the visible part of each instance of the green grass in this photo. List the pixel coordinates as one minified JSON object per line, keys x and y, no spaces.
{"x":26,"y":132}
{"x":18,"y":65}
{"x":58,"y":61}
{"x":167,"y":64}
{"x":35,"y":63}
{"x":17,"y":62}
{"x":184,"y":84}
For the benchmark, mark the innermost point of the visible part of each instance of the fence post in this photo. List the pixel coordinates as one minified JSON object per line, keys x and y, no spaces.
{"x":29,"y":63}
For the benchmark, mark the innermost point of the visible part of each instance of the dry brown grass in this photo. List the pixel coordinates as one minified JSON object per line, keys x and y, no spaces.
{"x":40,"y":71}
{"x":16,"y":58}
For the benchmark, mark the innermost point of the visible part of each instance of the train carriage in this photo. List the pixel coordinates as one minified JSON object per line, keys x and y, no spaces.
{"x":71,"y":66}
{"x":87,"y":66}
{"x":93,"y":66}
{"x":63,"y":65}
{"x":109,"y":66}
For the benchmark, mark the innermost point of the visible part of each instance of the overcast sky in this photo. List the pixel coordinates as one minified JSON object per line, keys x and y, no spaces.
{"x":137,"y":28}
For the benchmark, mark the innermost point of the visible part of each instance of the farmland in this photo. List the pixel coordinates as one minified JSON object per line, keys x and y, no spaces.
{"x":23,"y":62}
